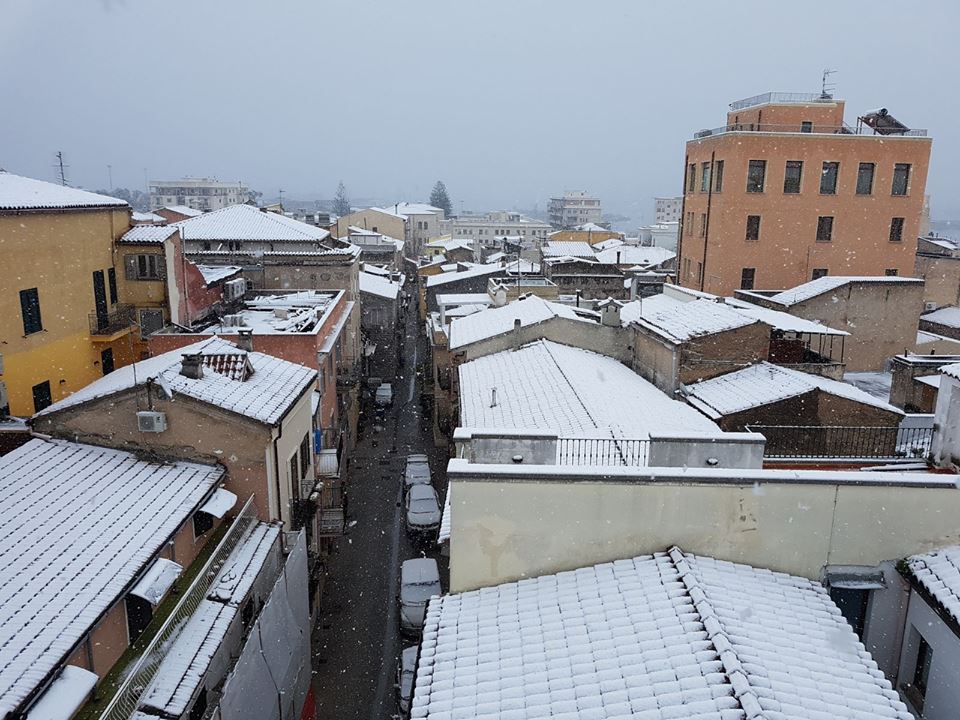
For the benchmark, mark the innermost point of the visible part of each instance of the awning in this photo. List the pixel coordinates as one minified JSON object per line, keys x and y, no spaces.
{"x":219,"y":503}
{"x":65,"y":695}
{"x":159,"y":578}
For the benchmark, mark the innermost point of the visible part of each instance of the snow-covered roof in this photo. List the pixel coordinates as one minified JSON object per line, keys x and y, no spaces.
{"x":147,"y":217}
{"x":945,"y":243}
{"x":23,"y":193}
{"x":763,"y":384}
{"x":265,"y":395}
{"x":672,"y":635}
{"x":241,"y":568}
{"x":449,"y":243}
{"x":563,"y":248}
{"x":407,"y":208}
{"x":938,"y":573}
{"x":379,"y":286}
{"x":147,"y":234}
{"x":499,"y":320}
{"x":78,"y":524}
{"x":830,"y":283}
{"x":464,"y":310}
{"x":183,"y":210}
{"x":214,"y":273}
{"x":931,"y":380}
{"x":552,"y":387}
{"x":475,"y":271}
{"x":635,"y":255}
{"x":949,"y":316}
{"x":65,"y":695}
{"x":464,"y":299}
{"x":443,"y":535}
{"x":951,"y":371}
{"x":245,"y":222}
{"x":678,"y":321}
{"x":592,"y":227}
{"x":780,"y":320}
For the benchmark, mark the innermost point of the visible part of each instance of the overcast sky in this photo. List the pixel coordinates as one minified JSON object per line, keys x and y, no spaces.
{"x":508,"y":101}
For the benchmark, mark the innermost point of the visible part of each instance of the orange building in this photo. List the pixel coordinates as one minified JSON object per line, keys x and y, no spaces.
{"x":787,"y":192}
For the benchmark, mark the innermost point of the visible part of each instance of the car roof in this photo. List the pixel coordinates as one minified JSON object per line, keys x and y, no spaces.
{"x":422,"y":492}
{"x":410,"y":655}
{"x":418,"y":458}
{"x":419,"y":571}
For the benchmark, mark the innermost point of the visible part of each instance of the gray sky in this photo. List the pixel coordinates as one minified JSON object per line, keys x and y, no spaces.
{"x":508,"y":101}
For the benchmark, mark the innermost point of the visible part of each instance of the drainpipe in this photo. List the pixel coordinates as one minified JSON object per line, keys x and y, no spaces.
{"x":706,"y":228}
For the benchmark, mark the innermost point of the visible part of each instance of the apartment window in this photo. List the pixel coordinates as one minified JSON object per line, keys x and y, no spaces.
{"x":144,"y":267}
{"x":718,"y":176}
{"x":112,"y":283}
{"x":689,"y":223}
{"x":901,"y":178}
{"x":753,"y":227}
{"x":756,"y":173}
{"x":30,"y":309}
{"x":824,"y":229}
{"x":304,"y":455}
{"x":699,"y":271}
{"x":828,"y":178}
{"x":806,"y":126}
{"x":853,"y":604}
{"x":791,"y":176}
{"x":705,"y":177}
{"x":747,"y":276}
{"x":891,"y":272}
{"x":818,"y":273}
{"x":294,"y":478}
{"x":703,"y":224}
{"x":865,"y":178}
{"x":41,"y":396}
{"x":691,"y":176}
{"x":921,"y":672}
{"x":896,"y":229}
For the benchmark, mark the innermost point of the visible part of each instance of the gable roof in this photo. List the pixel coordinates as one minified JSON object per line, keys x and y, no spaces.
{"x":78,"y":523}
{"x":147,"y":234}
{"x":568,"y":248}
{"x":938,"y":573}
{"x":183,"y":210}
{"x":780,"y":320}
{"x":948,"y":316}
{"x":635,"y":255}
{"x":491,"y":322}
{"x":763,"y":384}
{"x":678,"y":321}
{"x":215,"y":273}
{"x":378,"y":285}
{"x":576,"y":393}
{"x":670,"y":635}
{"x":272,"y":387}
{"x":245,"y":222}
{"x":830,"y":283}
{"x":475,"y":271}
{"x":22,"y":193}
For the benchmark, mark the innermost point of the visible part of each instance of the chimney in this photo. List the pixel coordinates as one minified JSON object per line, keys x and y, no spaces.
{"x":516,"y":332}
{"x":610,"y":313}
{"x":245,"y":339}
{"x":493,"y":397}
{"x":192,"y":366}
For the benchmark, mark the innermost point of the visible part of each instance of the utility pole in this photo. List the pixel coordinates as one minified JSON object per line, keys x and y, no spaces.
{"x":281,"y":198}
{"x":110,"y":176}
{"x":62,"y":168}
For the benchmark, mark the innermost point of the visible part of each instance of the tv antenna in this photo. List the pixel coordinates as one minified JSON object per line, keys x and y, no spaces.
{"x":827,"y":87}
{"x":61,"y":168}
{"x":281,"y":197}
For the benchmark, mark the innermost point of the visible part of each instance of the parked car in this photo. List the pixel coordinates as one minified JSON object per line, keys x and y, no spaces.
{"x":423,"y":510}
{"x":416,"y":472}
{"x":405,"y":671}
{"x":419,"y":581}
{"x":384,"y":395}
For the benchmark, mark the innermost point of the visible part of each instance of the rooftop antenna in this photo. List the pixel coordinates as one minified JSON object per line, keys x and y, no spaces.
{"x":827,"y":87}
{"x":281,"y":197}
{"x":61,"y":168}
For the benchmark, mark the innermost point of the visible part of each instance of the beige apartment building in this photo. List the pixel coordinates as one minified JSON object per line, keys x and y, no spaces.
{"x":787,"y":192}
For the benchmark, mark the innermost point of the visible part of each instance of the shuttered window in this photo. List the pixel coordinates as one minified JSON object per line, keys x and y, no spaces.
{"x":30,"y":309}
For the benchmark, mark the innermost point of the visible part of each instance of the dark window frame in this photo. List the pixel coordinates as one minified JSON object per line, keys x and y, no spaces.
{"x":718,"y":176}
{"x":112,"y":284}
{"x":819,"y":273}
{"x":865,"y":179}
{"x":896,"y":229}
{"x":748,"y":278}
{"x":829,"y":177}
{"x":30,"y":311}
{"x":704,"y":177}
{"x":900,"y":184}
{"x":756,"y":176}
{"x":792,"y":186}
{"x":825,"y":228}
{"x":753,"y":228}
{"x":42,"y":396}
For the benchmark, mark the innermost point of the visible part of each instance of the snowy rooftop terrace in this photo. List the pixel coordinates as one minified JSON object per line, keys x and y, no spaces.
{"x":671,"y":635}
{"x":305,"y":311}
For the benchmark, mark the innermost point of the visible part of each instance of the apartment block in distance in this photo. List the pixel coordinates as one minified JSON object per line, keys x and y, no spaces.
{"x":197,"y":193}
{"x":787,"y":192}
{"x":668,"y":209}
{"x":573,"y":209}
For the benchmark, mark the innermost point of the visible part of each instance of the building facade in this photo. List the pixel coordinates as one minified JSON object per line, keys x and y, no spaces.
{"x":786,"y":192}
{"x":574,"y":209}
{"x":197,"y":193}
{"x":668,"y":209}
{"x":491,"y":229}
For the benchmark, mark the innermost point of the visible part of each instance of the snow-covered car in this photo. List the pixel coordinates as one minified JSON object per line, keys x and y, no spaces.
{"x":404,"y":685}
{"x":416,"y":472}
{"x":419,"y":581}
{"x":423,"y":510}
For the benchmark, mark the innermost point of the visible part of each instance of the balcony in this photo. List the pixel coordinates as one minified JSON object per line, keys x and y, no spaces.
{"x":109,"y":326}
{"x":825,"y":442}
{"x":801,"y":129}
{"x":777,"y":97}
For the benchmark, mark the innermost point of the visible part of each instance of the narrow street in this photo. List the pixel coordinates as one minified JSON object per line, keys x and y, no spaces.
{"x":357,"y":639}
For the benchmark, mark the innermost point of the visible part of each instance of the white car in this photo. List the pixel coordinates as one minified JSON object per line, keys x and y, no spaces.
{"x":405,"y":671}
{"x":416,"y":472}
{"x":423,"y":511}
{"x":419,"y":581}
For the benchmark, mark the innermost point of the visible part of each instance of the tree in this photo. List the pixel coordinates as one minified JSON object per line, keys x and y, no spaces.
{"x":341,"y":203}
{"x":440,"y":199}
{"x":138,"y":199}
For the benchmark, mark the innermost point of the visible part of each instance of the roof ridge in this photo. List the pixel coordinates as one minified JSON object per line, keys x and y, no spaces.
{"x":575,"y":394}
{"x":716,"y":634}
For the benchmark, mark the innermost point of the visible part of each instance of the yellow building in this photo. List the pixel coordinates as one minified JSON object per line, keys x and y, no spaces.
{"x":61,"y":325}
{"x":589,"y":233}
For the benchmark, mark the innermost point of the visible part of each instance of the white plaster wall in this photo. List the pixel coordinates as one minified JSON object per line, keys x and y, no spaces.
{"x":942,"y":700}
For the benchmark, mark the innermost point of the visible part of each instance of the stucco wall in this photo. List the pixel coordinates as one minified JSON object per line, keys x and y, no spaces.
{"x":942,"y":278}
{"x":504,"y":529}
{"x":943,"y":691}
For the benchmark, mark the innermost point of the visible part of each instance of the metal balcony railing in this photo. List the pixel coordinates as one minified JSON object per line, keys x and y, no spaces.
{"x":603,"y":451}
{"x":142,"y":672}
{"x":822,"y":442}
{"x":815,"y":129}
{"x":780,"y":97}
{"x":121,"y":318}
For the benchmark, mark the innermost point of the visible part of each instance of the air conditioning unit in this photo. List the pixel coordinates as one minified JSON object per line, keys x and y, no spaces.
{"x":234,"y":289}
{"x":233,"y":320}
{"x":151,"y":421}
{"x":929,"y":306}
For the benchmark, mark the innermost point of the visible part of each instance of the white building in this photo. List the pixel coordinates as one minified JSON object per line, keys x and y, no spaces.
{"x":668,"y":209}
{"x":421,"y":222}
{"x":574,"y":209}
{"x":198,"y":193}
{"x":660,"y":234}
{"x":491,"y":229}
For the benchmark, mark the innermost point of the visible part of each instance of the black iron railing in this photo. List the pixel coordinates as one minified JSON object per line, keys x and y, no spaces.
{"x":832,"y":442}
{"x":120,"y":318}
{"x":602,"y":451}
